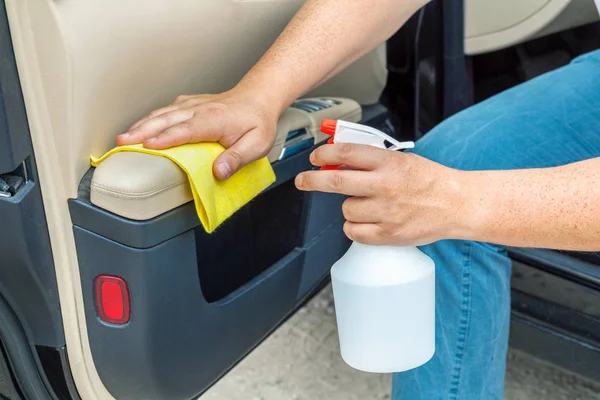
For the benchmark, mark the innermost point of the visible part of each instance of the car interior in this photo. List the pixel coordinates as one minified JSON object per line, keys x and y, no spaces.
{"x":109,"y":286}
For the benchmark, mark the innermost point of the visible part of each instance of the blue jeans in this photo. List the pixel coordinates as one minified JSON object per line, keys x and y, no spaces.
{"x":549,"y":121}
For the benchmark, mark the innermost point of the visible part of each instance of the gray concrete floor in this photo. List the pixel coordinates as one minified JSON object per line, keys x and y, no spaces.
{"x":301,"y":361}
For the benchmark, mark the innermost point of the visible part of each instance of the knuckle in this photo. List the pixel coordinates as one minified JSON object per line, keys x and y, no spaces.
{"x":395,"y":211}
{"x":215,"y":109}
{"x":215,"y":115}
{"x":336,"y":181}
{"x":184,"y":130}
{"x":389,"y":231}
{"x":307,"y":180}
{"x":345,"y":151}
{"x":153,"y":114}
{"x":142,"y":127}
{"x":190,"y":102}
{"x":317,"y":154}
{"x":392,"y":160}
{"x":236,"y":158}
{"x":185,"y":127}
{"x":180,"y":98}
{"x":228,"y":140}
{"x":389,"y":189}
{"x":399,"y":163}
{"x":162,"y":117}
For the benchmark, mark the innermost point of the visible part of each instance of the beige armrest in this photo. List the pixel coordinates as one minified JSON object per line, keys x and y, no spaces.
{"x":139,"y":186}
{"x":142,"y":186}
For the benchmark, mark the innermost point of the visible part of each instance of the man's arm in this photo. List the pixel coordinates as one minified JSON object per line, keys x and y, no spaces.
{"x":324,"y":37}
{"x":557,"y":208}
{"x":405,"y":199}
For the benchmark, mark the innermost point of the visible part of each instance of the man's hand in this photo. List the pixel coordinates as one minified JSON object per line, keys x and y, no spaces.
{"x":398,"y":198}
{"x":236,"y":120}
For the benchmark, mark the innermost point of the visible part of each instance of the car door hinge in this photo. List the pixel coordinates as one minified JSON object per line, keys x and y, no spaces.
{"x":10,"y":185}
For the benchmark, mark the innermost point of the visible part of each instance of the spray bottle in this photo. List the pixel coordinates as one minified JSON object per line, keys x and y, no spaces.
{"x":384,"y":295}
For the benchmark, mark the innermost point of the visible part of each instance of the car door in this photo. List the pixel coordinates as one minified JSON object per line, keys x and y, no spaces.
{"x":188,"y":305}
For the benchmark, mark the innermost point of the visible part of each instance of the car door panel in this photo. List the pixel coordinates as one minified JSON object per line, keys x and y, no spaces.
{"x":27,"y":277}
{"x":89,"y":69}
{"x":200,"y":302}
{"x":177,"y":343}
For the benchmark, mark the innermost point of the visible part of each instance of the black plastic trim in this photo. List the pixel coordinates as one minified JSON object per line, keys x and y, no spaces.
{"x":55,"y":364}
{"x":9,"y":389}
{"x":27,"y":274}
{"x":458,"y":92}
{"x":15,"y":143}
{"x":560,"y":264}
{"x":547,"y":342}
{"x":579,"y":325}
{"x":27,"y":277}
{"x":560,"y":333}
{"x":21,"y":357}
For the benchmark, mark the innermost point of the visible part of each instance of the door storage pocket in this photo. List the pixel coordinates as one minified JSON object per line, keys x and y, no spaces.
{"x":251,"y":241}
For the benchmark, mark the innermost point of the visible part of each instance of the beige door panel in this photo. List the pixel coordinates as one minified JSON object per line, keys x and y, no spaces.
{"x":492,"y":25}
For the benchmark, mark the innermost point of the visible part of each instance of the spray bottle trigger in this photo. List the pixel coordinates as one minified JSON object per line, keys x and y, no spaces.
{"x":326,"y":130}
{"x":330,"y":168}
{"x":329,"y":126}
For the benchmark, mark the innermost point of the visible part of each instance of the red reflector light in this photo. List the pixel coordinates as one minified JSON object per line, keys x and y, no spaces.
{"x":112,"y":299}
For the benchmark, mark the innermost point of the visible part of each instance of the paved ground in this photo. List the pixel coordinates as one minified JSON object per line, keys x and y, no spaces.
{"x":301,"y":361}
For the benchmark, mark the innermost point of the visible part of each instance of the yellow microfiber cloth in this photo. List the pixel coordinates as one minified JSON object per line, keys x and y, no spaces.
{"x":215,"y":200}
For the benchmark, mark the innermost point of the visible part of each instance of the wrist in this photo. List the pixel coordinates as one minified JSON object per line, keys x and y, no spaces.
{"x":469,"y":208}
{"x":263,"y":92}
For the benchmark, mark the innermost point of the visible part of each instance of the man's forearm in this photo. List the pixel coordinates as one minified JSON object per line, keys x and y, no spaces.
{"x":555,"y":208}
{"x":324,"y":37}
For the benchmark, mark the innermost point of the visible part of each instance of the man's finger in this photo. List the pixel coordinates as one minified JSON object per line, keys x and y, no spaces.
{"x":371,"y":234}
{"x":353,"y":155}
{"x":251,"y":147}
{"x":205,"y":126}
{"x":361,"y":210}
{"x":350,"y":183}
{"x":153,"y":114}
{"x":155,"y":126}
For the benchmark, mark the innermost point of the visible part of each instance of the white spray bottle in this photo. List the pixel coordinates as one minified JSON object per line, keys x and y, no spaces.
{"x":384,"y":295}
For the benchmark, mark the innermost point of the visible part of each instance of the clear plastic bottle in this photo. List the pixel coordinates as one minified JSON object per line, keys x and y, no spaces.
{"x":385,"y":307}
{"x":384,"y":296}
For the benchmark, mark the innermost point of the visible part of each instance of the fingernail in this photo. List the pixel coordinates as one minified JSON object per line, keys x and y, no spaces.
{"x":312,"y":158}
{"x":152,"y":139}
{"x":299,"y":180}
{"x":124,"y":135}
{"x":224,"y":169}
